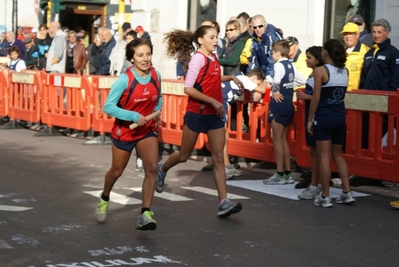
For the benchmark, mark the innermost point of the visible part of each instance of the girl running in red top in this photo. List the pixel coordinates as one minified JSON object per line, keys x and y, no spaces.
{"x":205,"y":111}
{"x":133,"y":96}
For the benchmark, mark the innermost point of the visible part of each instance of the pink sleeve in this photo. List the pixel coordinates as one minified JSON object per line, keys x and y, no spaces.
{"x":196,"y":63}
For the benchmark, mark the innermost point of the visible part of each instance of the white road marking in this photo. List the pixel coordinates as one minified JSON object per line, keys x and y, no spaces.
{"x":165,"y":195}
{"x":14,"y":208}
{"x":212,"y":192}
{"x":118,"y":198}
{"x":4,"y":244}
{"x":286,"y":191}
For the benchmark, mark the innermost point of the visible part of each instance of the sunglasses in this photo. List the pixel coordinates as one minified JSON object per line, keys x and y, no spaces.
{"x":230,"y":30}
{"x":259,"y":26}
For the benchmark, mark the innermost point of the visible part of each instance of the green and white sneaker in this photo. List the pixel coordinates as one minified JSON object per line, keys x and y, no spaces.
{"x":288,"y":178}
{"x":146,"y":222}
{"x":101,"y":210}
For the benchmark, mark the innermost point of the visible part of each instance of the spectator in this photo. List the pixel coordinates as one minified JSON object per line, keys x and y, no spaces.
{"x":326,"y":121}
{"x":365,"y":37}
{"x":105,"y":51}
{"x":261,"y":53}
{"x":3,"y":45}
{"x":281,"y":111}
{"x":56,"y":57}
{"x":119,"y":63}
{"x":76,"y":57}
{"x":204,"y":110}
{"x":16,"y":63}
{"x":33,"y":34}
{"x":229,"y":57}
{"x":12,"y":41}
{"x":93,"y":55}
{"x":127,"y":107}
{"x":355,"y":54}
{"x":297,"y":57}
{"x":245,"y":35}
{"x":381,"y":69}
{"x":31,"y":54}
{"x":20,"y":34}
{"x":141,"y":33}
{"x":208,"y":10}
{"x":43,"y":44}
{"x":314,"y":60}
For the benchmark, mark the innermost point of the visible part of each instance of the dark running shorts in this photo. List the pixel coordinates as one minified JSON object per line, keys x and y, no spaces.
{"x":130,"y":145}
{"x":335,"y":132}
{"x":282,"y":119}
{"x":202,"y":123}
{"x":309,"y":139}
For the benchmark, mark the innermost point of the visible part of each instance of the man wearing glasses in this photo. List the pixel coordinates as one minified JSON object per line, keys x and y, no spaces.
{"x":263,"y":38}
{"x":355,"y":54}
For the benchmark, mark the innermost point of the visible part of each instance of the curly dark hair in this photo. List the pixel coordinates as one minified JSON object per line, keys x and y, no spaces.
{"x":179,"y":43}
{"x":337,"y":52}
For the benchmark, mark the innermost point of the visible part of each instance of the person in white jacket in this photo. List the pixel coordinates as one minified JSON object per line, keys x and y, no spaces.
{"x":56,"y":53}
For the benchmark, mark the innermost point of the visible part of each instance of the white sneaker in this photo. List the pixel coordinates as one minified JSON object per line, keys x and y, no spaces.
{"x":139,"y":165}
{"x":309,"y":193}
{"x":345,"y":198}
{"x":232,"y":172}
{"x":323,"y":202}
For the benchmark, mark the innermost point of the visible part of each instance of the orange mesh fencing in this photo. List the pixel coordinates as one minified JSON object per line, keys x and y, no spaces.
{"x":66,"y":101}
{"x":24,"y":91}
{"x":3,"y":92}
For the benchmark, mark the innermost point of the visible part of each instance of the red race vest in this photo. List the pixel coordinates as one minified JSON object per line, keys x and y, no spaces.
{"x":141,"y":98}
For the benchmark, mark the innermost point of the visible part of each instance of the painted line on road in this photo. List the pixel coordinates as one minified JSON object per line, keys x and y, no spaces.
{"x":4,"y":244}
{"x":14,"y":208}
{"x":212,"y":192}
{"x":165,"y":195}
{"x":285,"y":191}
{"x":117,"y":198}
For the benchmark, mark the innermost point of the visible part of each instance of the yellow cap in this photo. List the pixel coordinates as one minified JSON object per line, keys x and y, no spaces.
{"x":350,"y":27}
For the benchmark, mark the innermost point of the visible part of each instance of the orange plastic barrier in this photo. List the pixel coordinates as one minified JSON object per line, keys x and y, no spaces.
{"x":24,"y":91}
{"x":173,"y":110}
{"x":375,"y":161}
{"x":100,"y":88}
{"x":66,"y":101}
{"x":3,"y":93}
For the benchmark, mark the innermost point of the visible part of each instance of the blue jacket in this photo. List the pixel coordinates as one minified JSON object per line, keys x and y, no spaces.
{"x":381,"y":71}
{"x":105,"y":51}
{"x":261,"y":56}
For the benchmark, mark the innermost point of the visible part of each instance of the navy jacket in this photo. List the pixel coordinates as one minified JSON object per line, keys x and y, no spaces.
{"x":105,"y":52}
{"x":261,"y":56}
{"x":381,"y":71}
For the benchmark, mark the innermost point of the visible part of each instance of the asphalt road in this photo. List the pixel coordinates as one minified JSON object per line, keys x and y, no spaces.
{"x":47,"y":198}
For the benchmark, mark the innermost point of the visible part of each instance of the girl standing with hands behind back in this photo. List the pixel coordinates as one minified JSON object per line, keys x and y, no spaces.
{"x":205,"y":111}
{"x":326,"y":120}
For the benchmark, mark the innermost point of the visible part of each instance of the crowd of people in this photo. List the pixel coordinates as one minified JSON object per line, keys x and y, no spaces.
{"x":252,"y":55}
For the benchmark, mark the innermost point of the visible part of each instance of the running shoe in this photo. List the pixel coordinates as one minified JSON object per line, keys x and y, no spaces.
{"x":139,"y":165}
{"x":323,"y":202}
{"x":146,"y":222}
{"x":275,"y":179}
{"x":160,"y":179}
{"x":309,"y":193}
{"x":288,"y":178}
{"x":228,"y":207}
{"x":231,"y":172}
{"x":101,"y":210}
{"x":395,"y":204}
{"x":345,"y":198}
